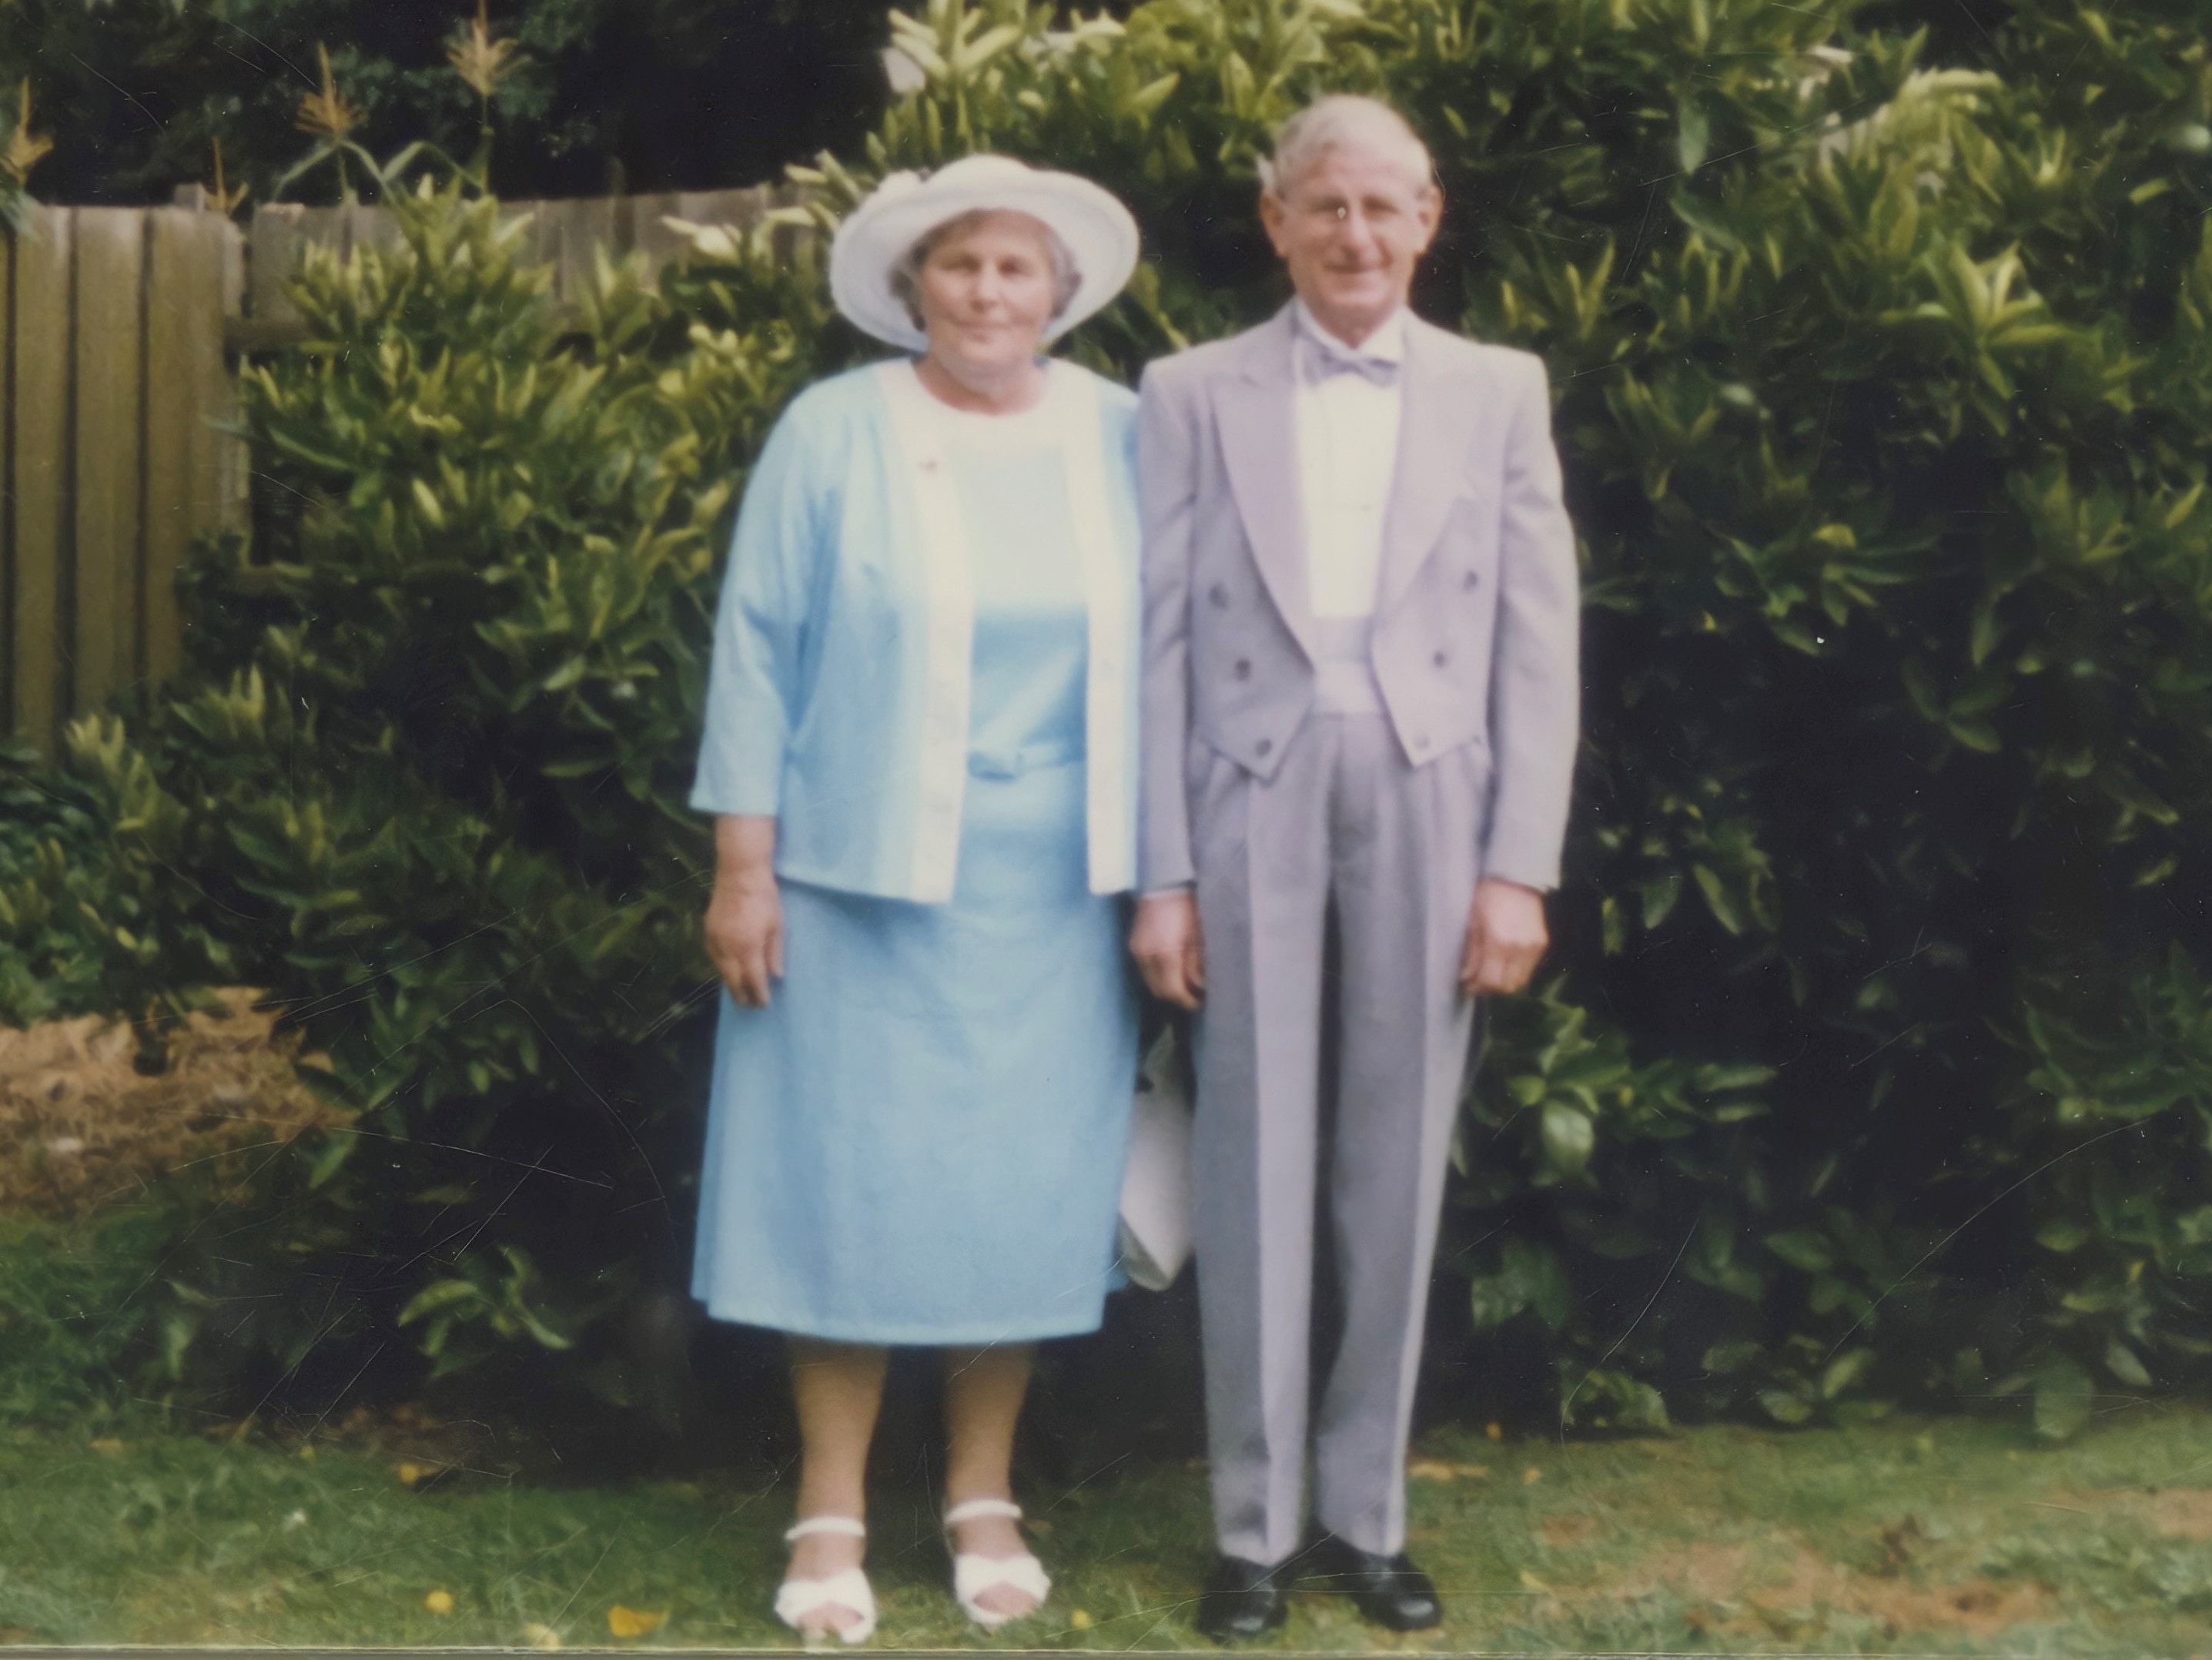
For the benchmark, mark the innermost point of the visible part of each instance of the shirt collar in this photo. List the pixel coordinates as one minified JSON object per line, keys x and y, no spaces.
{"x":1387,"y":344}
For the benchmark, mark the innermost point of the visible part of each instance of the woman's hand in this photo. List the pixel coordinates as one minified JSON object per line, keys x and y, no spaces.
{"x":745,"y":916}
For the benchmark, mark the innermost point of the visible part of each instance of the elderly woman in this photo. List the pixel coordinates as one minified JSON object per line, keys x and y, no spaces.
{"x":920,"y":752}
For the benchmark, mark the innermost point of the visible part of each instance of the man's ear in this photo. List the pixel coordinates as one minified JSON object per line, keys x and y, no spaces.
{"x":1271,"y":213}
{"x":1432,"y":209}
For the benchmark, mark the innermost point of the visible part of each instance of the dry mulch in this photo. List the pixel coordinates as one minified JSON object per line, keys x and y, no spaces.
{"x":1783,"y":1586}
{"x":2176,"y":1512}
{"x":85,"y":1120}
{"x":1747,"y":1590}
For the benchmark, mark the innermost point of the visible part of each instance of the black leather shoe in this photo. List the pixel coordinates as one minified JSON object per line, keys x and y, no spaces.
{"x":1387,"y":1591}
{"x":1241,"y":1599}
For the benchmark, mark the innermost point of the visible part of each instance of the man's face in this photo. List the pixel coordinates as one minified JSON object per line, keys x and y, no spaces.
{"x":1352,"y":229}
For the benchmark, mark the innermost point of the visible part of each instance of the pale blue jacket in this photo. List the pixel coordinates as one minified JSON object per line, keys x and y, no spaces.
{"x":838,"y":694}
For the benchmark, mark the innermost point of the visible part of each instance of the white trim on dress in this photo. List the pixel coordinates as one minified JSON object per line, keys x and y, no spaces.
{"x":1110,"y":833}
{"x":949,"y":605}
{"x":1075,"y":429}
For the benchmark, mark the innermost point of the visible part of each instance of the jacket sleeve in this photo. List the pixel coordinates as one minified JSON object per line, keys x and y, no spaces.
{"x":1167,"y":488}
{"x":1535,"y":691}
{"x":761,"y":628}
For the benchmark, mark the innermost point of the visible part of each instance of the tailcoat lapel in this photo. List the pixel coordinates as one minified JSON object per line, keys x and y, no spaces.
{"x":1260,"y":445}
{"x":1437,"y":422}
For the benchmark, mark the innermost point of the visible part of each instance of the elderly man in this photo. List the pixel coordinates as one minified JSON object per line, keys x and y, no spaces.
{"x":1359,"y":710}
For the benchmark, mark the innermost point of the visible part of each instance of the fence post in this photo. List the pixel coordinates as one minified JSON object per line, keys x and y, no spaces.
{"x":187,"y":390}
{"x":110,"y":365}
{"x":37,"y":437}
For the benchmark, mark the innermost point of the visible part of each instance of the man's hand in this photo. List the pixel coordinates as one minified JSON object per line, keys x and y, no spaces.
{"x":1168,"y":947}
{"x":1506,"y":939}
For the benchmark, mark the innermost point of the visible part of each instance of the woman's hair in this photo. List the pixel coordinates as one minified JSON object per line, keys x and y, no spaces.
{"x":1344,"y":121}
{"x":906,"y":270}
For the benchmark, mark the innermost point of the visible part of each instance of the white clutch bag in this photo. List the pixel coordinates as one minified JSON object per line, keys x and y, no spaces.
{"x":1155,"y":1230}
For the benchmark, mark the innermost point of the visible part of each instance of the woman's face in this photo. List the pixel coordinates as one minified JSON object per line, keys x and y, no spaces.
{"x":986,"y":294}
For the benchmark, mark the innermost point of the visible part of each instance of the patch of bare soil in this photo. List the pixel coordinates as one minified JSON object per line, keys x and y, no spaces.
{"x":2176,"y":1512}
{"x":82,"y":1123}
{"x":1784,"y":1585}
{"x":2184,"y":1512}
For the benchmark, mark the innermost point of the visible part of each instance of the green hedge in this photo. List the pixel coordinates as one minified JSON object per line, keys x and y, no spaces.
{"x":71,"y":1326}
{"x":1871,"y":1066}
{"x":423,"y":779}
{"x":594,"y":95}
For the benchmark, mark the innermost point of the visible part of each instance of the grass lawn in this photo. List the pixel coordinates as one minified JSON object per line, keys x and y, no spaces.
{"x":1943,"y":1536}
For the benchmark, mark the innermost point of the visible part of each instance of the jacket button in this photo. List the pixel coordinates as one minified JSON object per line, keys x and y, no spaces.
{"x":1469,"y":579}
{"x":1243,"y":670}
{"x":1441,"y":659}
{"x":1263,"y":747}
{"x":1219,"y":595}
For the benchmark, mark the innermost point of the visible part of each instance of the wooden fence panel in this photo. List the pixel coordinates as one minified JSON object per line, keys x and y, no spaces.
{"x":38,"y":435}
{"x":282,"y":233}
{"x":110,"y":371}
{"x":738,"y":208}
{"x":7,"y":492}
{"x":545,"y":237}
{"x":7,"y":498}
{"x":120,"y":404}
{"x":537,"y":242}
{"x":369,"y":228}
{"x":647,"y":236}
{"x":271,"y":258}
{"x":233,"y":461}
{"x":789,"y":239}
{"x":185,"y":384}
{"x":582,"y":228}
{"x":566,"y":234}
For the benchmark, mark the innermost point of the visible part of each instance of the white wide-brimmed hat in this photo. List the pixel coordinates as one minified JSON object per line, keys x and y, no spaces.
{"x":907,"y":206}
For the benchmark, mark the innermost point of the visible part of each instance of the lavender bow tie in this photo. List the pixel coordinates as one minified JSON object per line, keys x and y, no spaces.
{"x":1319,"y":359}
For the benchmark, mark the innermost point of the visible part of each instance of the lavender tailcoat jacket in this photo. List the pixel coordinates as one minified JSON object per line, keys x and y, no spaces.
{"x":1476,"y":622}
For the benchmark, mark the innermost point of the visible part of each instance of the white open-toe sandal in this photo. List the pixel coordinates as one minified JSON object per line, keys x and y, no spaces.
{"x":847,"y":1589}
{"x":973,"y":1575}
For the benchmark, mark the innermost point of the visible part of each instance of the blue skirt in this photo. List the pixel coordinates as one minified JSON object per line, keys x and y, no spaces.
{"x":921,"y":1140}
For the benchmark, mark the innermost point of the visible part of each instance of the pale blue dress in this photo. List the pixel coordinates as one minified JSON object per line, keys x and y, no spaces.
{"x":921,"y":1140}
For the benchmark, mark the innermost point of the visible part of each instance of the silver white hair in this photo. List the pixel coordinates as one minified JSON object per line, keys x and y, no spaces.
{"x":905,"y":275}
{"x":1344,"y":121}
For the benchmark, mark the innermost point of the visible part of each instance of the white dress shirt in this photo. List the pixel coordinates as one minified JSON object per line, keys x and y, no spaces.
{"x":1347,"y":437}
